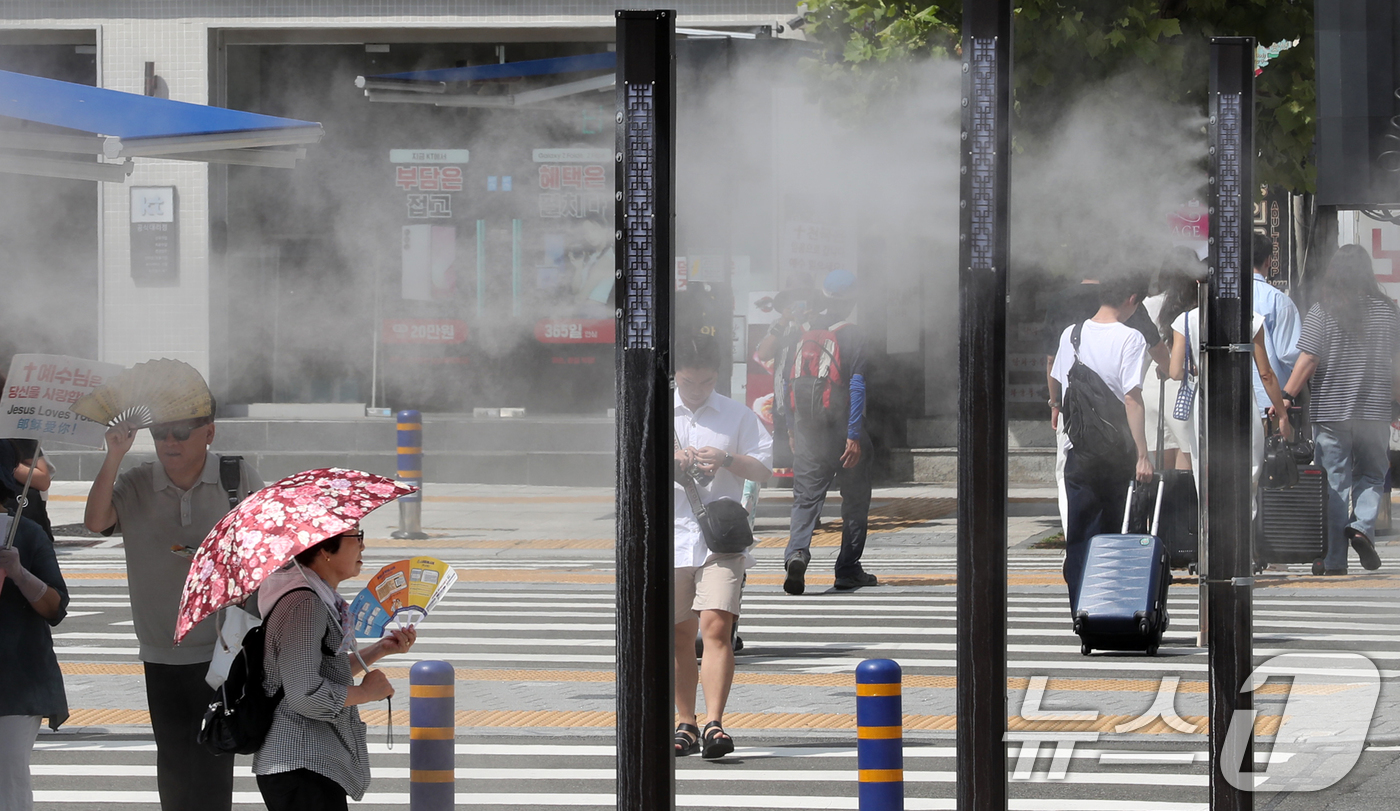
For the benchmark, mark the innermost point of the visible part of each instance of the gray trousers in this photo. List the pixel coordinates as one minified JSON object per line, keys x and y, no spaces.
{"x":816,"y":465}
{"x":17,"y":734}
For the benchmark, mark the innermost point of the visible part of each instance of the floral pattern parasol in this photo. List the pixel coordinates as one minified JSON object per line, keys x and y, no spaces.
{"x":270,"y":527}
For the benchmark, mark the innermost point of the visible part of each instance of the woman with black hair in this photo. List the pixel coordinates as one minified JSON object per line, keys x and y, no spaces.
{"x":33,"y":598}
{"x":315,"y":754}
{"x":1348,"y":349}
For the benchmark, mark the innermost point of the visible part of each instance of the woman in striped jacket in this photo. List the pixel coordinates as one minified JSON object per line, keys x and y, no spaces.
{"x":315,"y":754}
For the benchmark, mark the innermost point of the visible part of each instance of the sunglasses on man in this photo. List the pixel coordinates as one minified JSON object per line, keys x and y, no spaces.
{"x":180,"y":432}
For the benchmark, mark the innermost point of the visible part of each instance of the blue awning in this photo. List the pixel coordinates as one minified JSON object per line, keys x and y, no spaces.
{"x":511,"y":70}
{"x":432,"y":86}
{"x":49,"y":116}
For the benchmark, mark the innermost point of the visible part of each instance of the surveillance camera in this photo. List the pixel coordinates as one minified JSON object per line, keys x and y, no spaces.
{"x":797,"y":22}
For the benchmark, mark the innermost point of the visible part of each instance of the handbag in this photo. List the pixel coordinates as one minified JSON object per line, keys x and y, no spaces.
{"x":1186,"y":395}
{"x":724,"y":523}
{"x":1280,"y":468}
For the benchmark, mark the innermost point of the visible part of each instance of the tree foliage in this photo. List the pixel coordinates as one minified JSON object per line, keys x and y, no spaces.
{"x":1064,"y":48}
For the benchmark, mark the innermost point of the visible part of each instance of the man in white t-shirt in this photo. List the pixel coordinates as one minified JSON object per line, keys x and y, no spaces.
{"x":1097,"y":493}
{"x":724,"y":443}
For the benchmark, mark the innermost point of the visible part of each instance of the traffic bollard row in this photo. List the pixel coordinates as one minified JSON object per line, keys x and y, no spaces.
{"x":432,"y":707}
{"x":880,"y":735}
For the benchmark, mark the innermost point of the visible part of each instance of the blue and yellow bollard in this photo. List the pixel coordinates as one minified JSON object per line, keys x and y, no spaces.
{"x":411,"y":472}
{"x":880,"y":735}
{"x":432,"y":708}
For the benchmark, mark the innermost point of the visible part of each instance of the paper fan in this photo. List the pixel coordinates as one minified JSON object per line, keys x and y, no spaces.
{"x":149,"y":393}
{"x":402,"y":593}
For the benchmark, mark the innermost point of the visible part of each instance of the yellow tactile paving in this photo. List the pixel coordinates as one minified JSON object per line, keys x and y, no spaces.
{"x":1046,"y":577}
{"x":597,"y":719}
{"x":886,"y":516}
{"x":1059,"y":684}
{"x":522,"y":499}
{"x":496,"y":543}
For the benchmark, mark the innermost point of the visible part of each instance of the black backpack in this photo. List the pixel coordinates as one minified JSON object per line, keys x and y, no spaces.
{"x":238,"y":719}
{"x":1096,"y":421}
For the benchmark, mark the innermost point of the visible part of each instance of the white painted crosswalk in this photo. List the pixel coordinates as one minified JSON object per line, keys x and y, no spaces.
{"x":508,"y":775}
{"x":568,"y":625}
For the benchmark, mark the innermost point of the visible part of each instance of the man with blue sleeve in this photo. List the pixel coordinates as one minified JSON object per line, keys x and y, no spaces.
{"x":830,"y":449}
{"x":1282,"y":323}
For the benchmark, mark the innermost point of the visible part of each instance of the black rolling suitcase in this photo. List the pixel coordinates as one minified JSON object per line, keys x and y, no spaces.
{"x":1122,"y":601}
{"x":1294,"y":521}
{"x":1180,"y":511}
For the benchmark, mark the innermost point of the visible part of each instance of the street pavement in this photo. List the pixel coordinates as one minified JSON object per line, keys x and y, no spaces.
{"x":529,"y":628}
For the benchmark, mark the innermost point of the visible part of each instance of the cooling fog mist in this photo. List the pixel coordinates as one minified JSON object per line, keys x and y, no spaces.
{"x":481,"y":276}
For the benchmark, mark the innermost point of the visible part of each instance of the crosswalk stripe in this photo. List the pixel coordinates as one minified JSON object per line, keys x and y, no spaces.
{"x":683,"y":774}
{"x":579,"y":800}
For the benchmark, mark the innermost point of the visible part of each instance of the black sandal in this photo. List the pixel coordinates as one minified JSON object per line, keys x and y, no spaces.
{"x":717,"y":741}
{"x":687,"y":739}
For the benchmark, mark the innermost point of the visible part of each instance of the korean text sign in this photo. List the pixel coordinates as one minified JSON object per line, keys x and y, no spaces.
{"x":37,"y":401}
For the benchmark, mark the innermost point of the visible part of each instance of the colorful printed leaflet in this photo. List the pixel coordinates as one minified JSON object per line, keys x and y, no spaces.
{"x":402,"y":593}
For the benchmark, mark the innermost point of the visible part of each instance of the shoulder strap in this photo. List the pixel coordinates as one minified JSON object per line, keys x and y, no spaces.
{"x":1190,"y":361}
{"x":268,"y":619}
{"x":1074,"y":338}
{"x":231,"y":478}
{"x":692,"y":493}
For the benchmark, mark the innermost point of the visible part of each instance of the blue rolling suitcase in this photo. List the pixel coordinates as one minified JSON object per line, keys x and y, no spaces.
{"x":1123,"y":596}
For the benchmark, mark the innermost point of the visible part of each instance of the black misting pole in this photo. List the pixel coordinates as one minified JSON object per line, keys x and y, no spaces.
{"x":1225,"y":370}
{"x":645,"y":163}
{"x":983,"y":259}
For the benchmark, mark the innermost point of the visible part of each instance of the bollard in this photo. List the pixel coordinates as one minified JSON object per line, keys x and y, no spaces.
{"x":432,"y":710}
{"x":411,"y":472}
{"x":880,"y":735}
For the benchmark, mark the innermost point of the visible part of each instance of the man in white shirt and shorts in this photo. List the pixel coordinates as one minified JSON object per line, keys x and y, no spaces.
{"x":723,"y":443}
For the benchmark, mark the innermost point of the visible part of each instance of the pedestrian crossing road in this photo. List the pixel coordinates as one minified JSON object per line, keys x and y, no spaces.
{"x":533,"y":645}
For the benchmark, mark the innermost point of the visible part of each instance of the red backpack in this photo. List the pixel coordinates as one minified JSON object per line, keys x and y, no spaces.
{"x":818,"y":391}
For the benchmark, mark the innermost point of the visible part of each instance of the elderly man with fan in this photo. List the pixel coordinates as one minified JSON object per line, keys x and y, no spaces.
{"x":164,"y":509}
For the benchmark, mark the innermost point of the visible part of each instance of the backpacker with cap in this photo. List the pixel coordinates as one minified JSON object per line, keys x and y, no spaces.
{"x":818,"y":389}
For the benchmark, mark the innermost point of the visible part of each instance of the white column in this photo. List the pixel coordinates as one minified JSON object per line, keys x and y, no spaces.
{"x":141,"y":323}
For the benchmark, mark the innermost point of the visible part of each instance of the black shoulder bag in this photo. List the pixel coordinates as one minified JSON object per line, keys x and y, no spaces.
{"x":1096,"y":421}
{"x":724,"y":523}
{"x":238,"y":719}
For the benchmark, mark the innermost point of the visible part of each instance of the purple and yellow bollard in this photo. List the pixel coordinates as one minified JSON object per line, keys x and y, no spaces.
{"x":880,"y":735}
{"x":432,"y":708}
{"x":411,"y":472}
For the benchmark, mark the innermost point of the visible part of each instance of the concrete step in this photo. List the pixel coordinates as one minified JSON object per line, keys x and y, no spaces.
{"x":1025,"y":466}
{"x":448,"y":433}
{"x":564,"y":468}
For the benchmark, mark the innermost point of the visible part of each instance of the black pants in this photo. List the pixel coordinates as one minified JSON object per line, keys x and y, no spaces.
{"x":301,"y":790}
{"x":816,"y":465}
{"x":1097,"y":497}
{"x":190,"y":777}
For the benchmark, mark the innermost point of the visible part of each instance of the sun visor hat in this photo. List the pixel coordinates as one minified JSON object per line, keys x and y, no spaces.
{"x":839,"y":284}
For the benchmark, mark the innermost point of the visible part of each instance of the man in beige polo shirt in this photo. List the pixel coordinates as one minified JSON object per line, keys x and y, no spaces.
{"x":157,"y":506}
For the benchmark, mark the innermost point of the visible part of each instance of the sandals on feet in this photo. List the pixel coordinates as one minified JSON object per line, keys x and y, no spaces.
{"x":687,"y":739}
{"x":717,"y":741}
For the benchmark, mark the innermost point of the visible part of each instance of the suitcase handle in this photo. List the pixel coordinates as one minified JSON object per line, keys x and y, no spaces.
{"x":1156,"y":505}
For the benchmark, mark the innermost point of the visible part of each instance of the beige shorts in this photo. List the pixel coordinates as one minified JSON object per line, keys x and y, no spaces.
{"x":716,"y":586}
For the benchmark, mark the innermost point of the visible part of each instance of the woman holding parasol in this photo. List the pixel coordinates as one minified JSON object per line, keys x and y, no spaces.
{"x":294,"y":542}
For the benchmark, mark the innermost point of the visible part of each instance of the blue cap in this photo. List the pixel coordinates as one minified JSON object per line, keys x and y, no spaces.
{"x":839,"y":284}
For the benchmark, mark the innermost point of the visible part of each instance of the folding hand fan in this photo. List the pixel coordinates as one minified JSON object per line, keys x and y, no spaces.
{"x":149,"y":393}
{"x":403,"y":593}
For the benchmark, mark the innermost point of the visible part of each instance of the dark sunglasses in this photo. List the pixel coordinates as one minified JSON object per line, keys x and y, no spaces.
{"x":160,"y":432}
